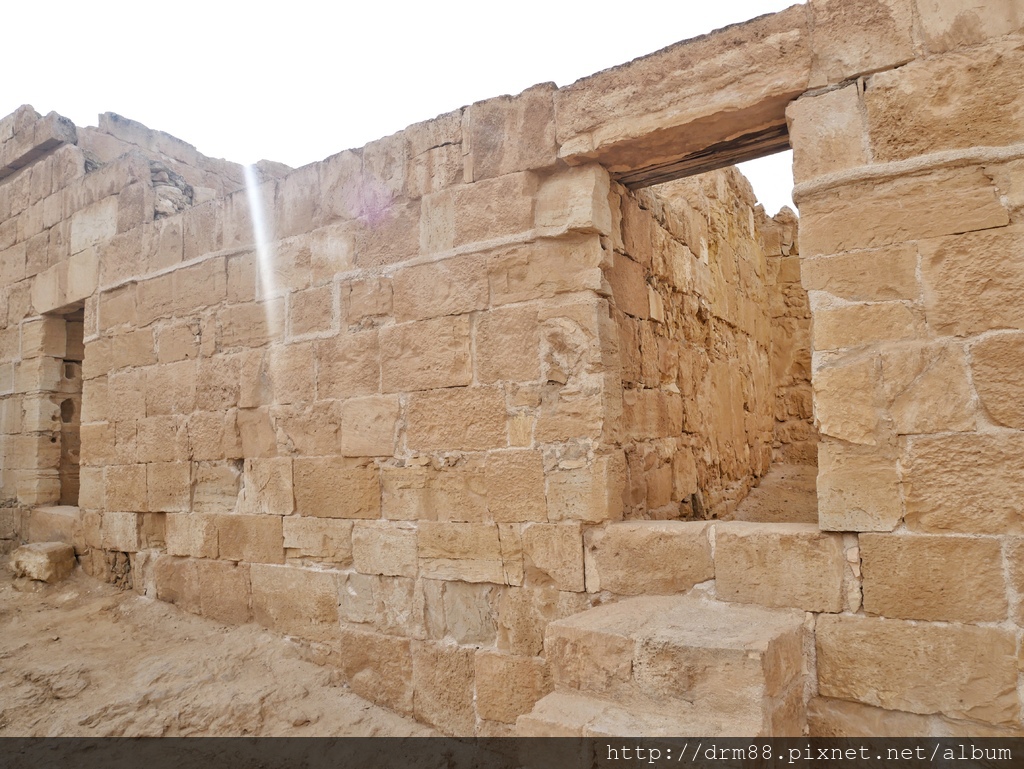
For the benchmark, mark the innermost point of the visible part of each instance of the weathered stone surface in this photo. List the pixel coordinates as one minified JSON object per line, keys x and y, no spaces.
{"x":854,"y":38}
{"x":881,"y":274}
{"x":426,"y":354}
{"x":837,"y":718}
{"x":946,"y":579}
{"x":44,"y":561}
{"x":779,"y":564}
{"x":891,"y":663}
{"x":963,"y":99}
{"x":971,"y":282}
{"x":648,"y":557}
{"x":554,"y":552}
{"x":858,"y":489}
{"x":296,"y":601}
{"x":467,"y":418}
{"x":324,"y":539}
{"x":385,"y":547}
{"x":511,"y":133}
{"x":827,"y":132}
{"x":335,"y":487}
{"x":443,"y":678}
{"x":875,"y":213}
{"x":995,"y":365}
{"x":224,"y":593}
{"x":508,"y":686}
{"x":252,"y":538}
{"x":978,"y":498}
{"x":378,"y":667}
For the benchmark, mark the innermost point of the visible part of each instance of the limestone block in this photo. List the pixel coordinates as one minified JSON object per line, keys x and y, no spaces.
{"x":169,"y":486}
{"x":392,"y":605}
{"x":947,"y":578}
{"x":470,"y":552}
{"x":191,"y":534}
{"x":43,"y":336}
{"x":125,"y":487}
{"x":507,"y":686}
{"x":384,"y":547}
{"x":650,"y":414}
{"x":252,"y":538}
{"x":971,"y":282}
{"x":858,"y":488}
{"x":177,"y":582}
{"x":378,"y":667}
{"x":447,"y":287}
{"x":554,"y":553}
{"x":836,"y":718}
{"x":881,"y":274}
{"x":514,"y":486}
{"x":442,"y":677}
{"x":470,"y":418}
{"x":491,"y":208}
{"x":335,"y":487}
{"x":93,"y":224}
{"x":311,"y":311}
{"x":37,"y":374}
{"x":117,"y":307}
{"x":179,"y":341}
{"x":340,"y":184}
{"x":883,"y":662}
{"x":545,"y":268}
{"x":171,"y":388}
{"x":132,"y":348}
{"x":746,"y":71}
{"x":426,"y":354}
{"x":90,"y":488}
{"x":511,"y":133}
{"x":161,"y":439}
{"x":267,"y":487}
{"x":592,"y":493}
{"x":291,"y":371}
{"x":955,"y":101}
{"x":858,"y":325}
{"x":44,"y":561}
{"x":575,"y":199}
{"x":875,"y":213}
{"x":508,"y":345}
{"x":56,"y":524}
{"x":648,"y":557}
{"x":349,"y":365}
{"x":120,"y":531}
{"x":828,"y":133}
{"x":779,"y":564}
{"x":212,"y":435}
{"x":324,"y":539}
{"x":996,"y":362}
{"x":851,"y":39}
{"x":365,"y":299}
{"x":256,"y":432}
{"x":965,"y":483}
{"x":462,"y":611}
{"x":629,"y":287}
{"x":252,"y":324}
{"x":224,"y":592}
{"x":296,"y":601}
{"x":927,"y":389}
{"x":389,"y":231}
{"x":369,"y":425}
{"x":950,"y":24}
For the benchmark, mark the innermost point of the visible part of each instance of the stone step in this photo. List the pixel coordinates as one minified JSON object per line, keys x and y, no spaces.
{"x":699,"y":659}
{"x":780,"y":565}
{"x":648,"y":557}
{"x":572,"y":714}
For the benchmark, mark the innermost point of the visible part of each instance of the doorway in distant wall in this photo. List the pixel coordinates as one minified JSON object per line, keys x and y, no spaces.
{"x":69,"y":398}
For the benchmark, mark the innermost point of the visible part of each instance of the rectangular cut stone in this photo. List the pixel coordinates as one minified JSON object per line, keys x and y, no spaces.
{"x":384,"y":547}
{"x":995,"y":363}
{"x":296,"y":601}
{"x":972,"y":282}
{"x":469,"y":418}
{"x":592,"y":493}
{"x":335,"y":487}
{"x":267,"y":487}
{"x":512,"y":133}
{"x":960,"y":100}
{"x":881,"y":274}
{"x":858,"y":488}
{"x":378,"y":667}
{"x":946,"y":579}
{"x":882,"y":662}
{"x":507,"y":345}
{"x":349,"y":364}
{"x":779,"y":564}
{"x":369,"y":425}
{"x":253,"y":538}
{"x":426,"y":354}
{"x":508,"y":686}
{"x":447,"y":287}
{"x":442,"y":677}
{"x":877,"y":213}
{"x":191,"y":534}
{"x":648,"y":557}
{"x":324,"y":539}
{"x":854,"y":39}
{"x":224,"y":592}
{"x":469,"y":552}
{"x":967,"y":483}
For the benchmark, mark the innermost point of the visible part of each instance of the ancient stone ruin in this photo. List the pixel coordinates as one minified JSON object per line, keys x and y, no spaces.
{"x":508,"y":416}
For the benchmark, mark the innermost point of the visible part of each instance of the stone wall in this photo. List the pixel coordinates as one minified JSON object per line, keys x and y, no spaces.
{"x":692,"y":305}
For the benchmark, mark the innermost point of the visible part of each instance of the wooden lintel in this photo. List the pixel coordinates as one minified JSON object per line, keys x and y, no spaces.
{"x":747,"y":147}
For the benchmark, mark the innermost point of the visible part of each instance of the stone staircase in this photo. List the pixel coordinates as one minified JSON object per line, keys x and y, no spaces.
{"x":723,"y":651}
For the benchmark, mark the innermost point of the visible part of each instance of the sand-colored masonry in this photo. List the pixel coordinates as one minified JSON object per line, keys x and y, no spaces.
{"x":418,"y":401}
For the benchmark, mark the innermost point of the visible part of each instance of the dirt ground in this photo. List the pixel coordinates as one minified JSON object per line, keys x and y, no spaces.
{"x":82,"y":658}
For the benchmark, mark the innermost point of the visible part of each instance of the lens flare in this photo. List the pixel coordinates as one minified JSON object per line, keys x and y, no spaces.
{"x":264,"y":250}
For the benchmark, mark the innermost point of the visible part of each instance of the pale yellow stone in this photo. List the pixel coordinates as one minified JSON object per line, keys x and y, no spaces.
{"x":648,"y":557}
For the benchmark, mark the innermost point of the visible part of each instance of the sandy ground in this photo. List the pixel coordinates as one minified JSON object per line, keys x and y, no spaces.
{"x":84,"y":659}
